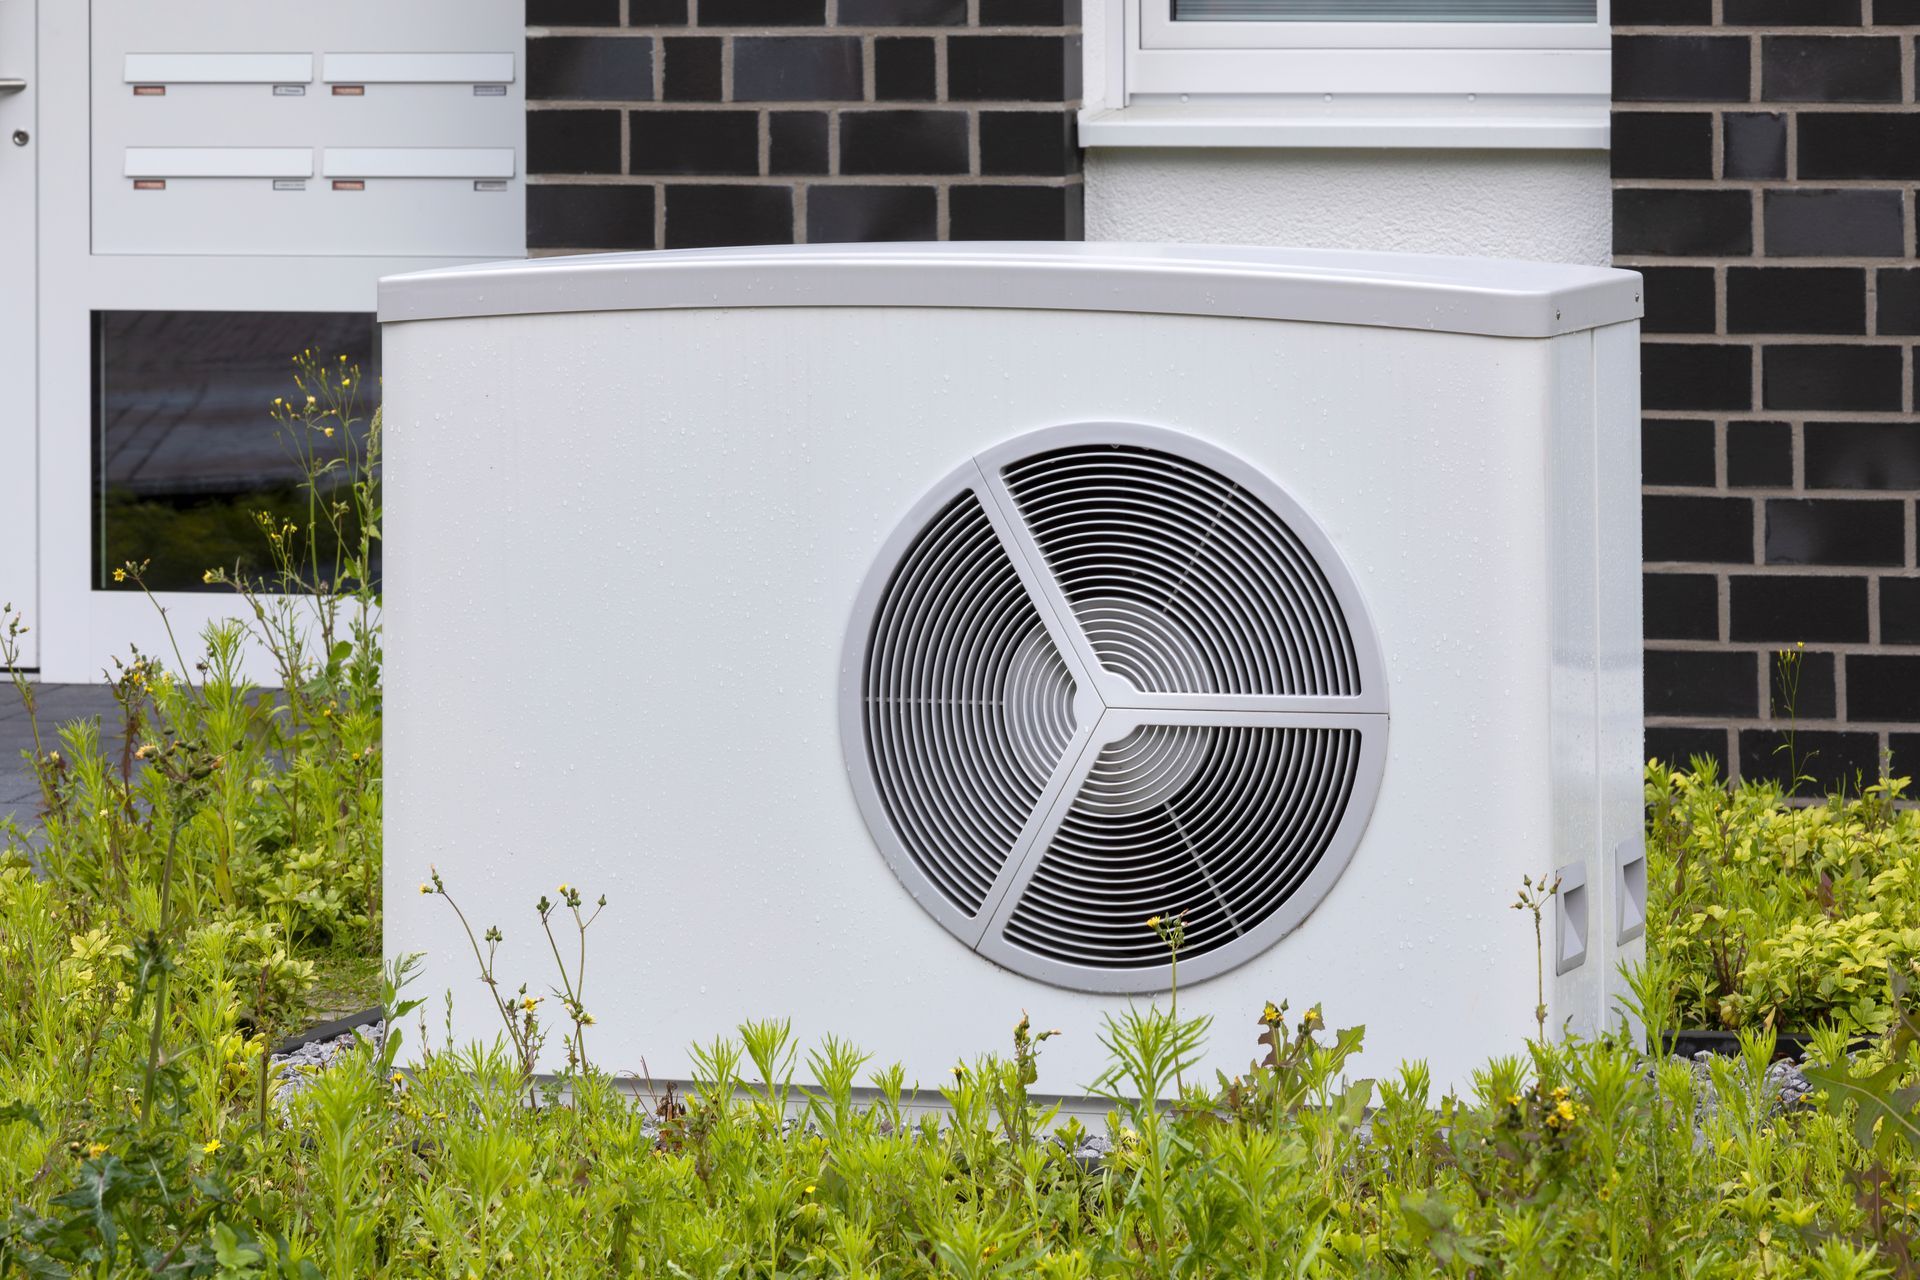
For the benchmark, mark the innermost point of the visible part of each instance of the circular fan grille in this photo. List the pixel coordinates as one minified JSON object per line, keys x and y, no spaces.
{"x":1106,"y":672}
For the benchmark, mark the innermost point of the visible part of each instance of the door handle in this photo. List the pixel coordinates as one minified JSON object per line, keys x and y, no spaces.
{"x":9,"y":86}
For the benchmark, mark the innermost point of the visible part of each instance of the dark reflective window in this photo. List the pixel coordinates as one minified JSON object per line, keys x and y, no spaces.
{"x":186,"y":450}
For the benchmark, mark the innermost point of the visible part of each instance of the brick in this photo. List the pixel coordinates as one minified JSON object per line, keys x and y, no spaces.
{"x":1900,"y":611}
{"x":1830,"y":69}
{"x":692,"y":67}
{"x":1820,"y":760}
{"x":1792,"y":13}
{"x":928,"y":142}
{"x":903,"y":69}
{"x":903,"y":13}
{"x":797,"y":69}
{"x":1883,"y":686}
{"x":864,"y":213}
{"x":592,"y":68}
{"x":1836,"y":224}
{"x":1675,"y":746}
{"x":763,"y":13}
{"x":1678,"y":300}
{"x":1890,"y":13}
{"x":797,"y":142}
{"x":1701,"y":683}
{"x":1899,"y":301}
{"x":1803,"y":688}
{"x":1029,"y":13}
{"x":1863,"y":455}
{"x":1676,"y":452}
{"x":1835,"y":531}
{"x":578,"y":216}
{"x":1680,"y":606}
{"x":1013,"y":68}
{"x":1784,"y":609}
{"x":700,"y":216}
{"x":573,"y":141}
{"x":1796,"y":300}
{"x":1903,"y":755}
{"x":1831,"y":377}
{"x":1662,"y":144}
{"x":1037,"y":143}
{"x":721,"y":143}
{"x":1014,"y":213}
{"x":1681,"y":69}
{"x":1696,"y":530}
{"x":1859,"y":144}
{"x":1682,"y":222}
{"x":1662,"y":13}
{"x":656,"y":13}
{"x":573,"y":13}
{"x":1759,"y":455}
{"x":1755,"y":144}
{"x":1696,"y":376}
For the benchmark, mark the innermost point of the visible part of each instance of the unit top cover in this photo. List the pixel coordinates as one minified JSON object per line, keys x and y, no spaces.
{"x":1495,"y":297}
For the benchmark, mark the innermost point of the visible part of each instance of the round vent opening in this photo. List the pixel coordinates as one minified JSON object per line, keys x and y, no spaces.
{"x":1106,"y":672}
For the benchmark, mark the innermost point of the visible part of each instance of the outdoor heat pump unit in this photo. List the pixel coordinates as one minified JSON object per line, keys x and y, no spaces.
{"x":890,"y":631}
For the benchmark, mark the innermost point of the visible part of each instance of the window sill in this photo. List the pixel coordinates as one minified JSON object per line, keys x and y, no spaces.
{"x":1420,"y":124}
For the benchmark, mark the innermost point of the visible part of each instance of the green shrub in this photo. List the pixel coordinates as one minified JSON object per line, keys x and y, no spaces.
{"x":1779,"y":914}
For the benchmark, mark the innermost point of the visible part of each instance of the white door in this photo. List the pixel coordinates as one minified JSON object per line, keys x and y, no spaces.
{"x":19,"y":408}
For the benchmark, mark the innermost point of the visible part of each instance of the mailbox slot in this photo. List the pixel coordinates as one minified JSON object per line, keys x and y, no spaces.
{"x":417,"y":68}
{"x":418,"y":162}
{"x":218,"y":68}
{"x":219,"y":162}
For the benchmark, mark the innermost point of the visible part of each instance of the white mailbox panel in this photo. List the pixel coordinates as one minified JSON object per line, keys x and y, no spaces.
{"x":409,"y":123}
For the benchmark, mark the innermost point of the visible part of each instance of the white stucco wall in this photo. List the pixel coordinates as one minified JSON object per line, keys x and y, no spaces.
{"x":1550,"y":205}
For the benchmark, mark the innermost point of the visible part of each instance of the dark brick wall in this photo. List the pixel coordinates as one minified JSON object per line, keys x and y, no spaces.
{"x":1765,"y":156}
{"x":681,"y":123}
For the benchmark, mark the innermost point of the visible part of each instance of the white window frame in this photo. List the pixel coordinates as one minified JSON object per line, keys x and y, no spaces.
{"x":1542,"y":85}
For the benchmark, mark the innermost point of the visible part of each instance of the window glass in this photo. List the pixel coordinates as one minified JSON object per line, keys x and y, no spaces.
{"x":1386,"y":10}
{"x":186,"y":449}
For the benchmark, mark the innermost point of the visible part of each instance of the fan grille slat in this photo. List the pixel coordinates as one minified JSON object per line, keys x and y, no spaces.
{"x":1223,"y":852}
{"x":1183,"y":582}
{"x":969,"y":707}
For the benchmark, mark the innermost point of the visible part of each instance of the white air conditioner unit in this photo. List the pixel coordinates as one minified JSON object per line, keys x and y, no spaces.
{"x":889,"y":631}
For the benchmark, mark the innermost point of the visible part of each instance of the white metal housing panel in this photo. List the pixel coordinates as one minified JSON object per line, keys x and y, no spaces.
{"x":218,"y":68}
{"x":413,"y":92}
{"x":19,"y":331}
{"x":721,"y":515}
{"x":417,"y":68}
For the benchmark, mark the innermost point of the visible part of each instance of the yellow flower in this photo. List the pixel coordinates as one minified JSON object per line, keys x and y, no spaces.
{"x":328,"y":432}
{"x":530,"y":1003}
{"x":1153,"y":922}
{"x":1270,"y":1015}
{"x":564,"y":887}
{"x":119,"y":575}
{"x":397,"y":1078}
{"x":1513,"y":1099}
{"x":212,"y":1145}
{"x":426,"y":888}
{"x":311,"y":402}
{"x":1564,"y":1111}
{"x":208,"y":576}
{"x":809,"y":1188}
{"x":97,"y":1150}
{"x":346,"y":382}
{"x":586,"y":1019}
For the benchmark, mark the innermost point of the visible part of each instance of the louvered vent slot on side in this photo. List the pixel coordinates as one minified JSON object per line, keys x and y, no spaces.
{"x":1182,"y":581}
{"x":969,"y":708}
{"x":1220,"y":824}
